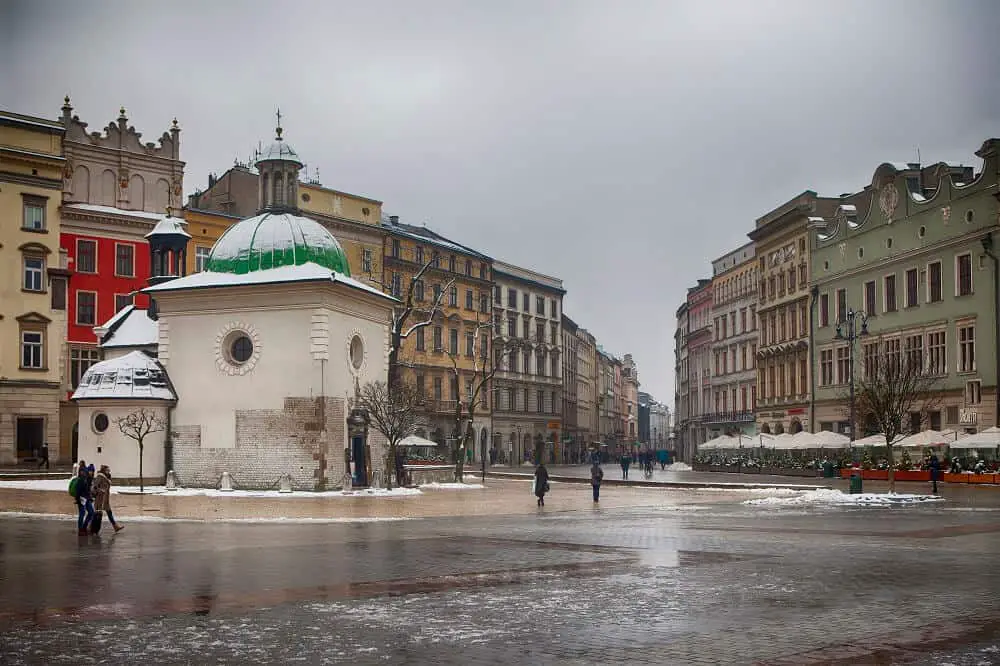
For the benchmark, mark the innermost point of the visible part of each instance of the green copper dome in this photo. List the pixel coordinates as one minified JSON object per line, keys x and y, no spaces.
{"x":272,"y":240}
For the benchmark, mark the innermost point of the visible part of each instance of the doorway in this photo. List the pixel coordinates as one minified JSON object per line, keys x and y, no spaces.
{"x":360,"y":463}
{"x":30,"y":436}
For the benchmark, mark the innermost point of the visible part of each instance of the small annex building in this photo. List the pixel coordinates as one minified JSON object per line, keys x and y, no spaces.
{"x":251,"y":363}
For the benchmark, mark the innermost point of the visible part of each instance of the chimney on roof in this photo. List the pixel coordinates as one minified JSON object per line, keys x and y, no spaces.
{"x":394,"y":219}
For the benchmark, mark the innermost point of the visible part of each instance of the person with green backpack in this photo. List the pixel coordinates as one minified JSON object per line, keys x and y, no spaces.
{"x":80,"y":489}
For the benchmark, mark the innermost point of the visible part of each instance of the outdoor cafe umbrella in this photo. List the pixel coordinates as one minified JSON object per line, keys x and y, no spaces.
{"x":927,"y":438}
{"x":878,"y":439}
{"x":720,"y":442}
{"x":987,"y":439}
{"x":827,"y":439}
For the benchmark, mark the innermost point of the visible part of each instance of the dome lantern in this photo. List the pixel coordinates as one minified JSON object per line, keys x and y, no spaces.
{"x":278,"y":168}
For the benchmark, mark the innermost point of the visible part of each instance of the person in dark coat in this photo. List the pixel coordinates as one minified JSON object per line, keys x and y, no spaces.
{"x":596,"y":476}
{"x":85,"y":506}
{"x":626,"y":461}
{"x":935,"y":466}
{"x":541,"y":483}
{"x":43,"y":454}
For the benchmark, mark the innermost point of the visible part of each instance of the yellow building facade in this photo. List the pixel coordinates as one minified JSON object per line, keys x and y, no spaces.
{"x":459,"y":333}
{"x":33,"y":287}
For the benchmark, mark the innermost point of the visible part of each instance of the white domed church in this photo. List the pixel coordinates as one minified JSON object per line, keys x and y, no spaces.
{"x":251,"y":364}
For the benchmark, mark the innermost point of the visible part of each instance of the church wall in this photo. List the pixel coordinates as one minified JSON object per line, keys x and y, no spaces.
{"x":117,"y":451}
{"x":264,"y":422}
{"x":271,"y":442}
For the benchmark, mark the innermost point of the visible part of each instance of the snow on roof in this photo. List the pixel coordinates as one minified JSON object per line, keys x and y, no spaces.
{"x":308,"y":272}
{"x":118,"y":316}
{"x":134,"y":375}
{"x":136,"y":329}
{"x":94,"y":208}
{"x":169,"y":226}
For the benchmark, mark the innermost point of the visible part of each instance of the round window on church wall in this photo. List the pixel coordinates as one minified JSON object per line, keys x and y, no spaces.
{"x":357,"y":352}
{"x":240,"y":348}
{"x":100,"y":422}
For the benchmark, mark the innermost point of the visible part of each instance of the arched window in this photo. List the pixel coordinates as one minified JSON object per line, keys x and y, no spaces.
{"x":264,"y":191}
{"x":278,"y":197}
{"x":290,"y":196}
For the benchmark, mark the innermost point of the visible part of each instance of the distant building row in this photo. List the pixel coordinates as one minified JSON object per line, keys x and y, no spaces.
{"x":756,"y":345}
{"x":78,"y":256}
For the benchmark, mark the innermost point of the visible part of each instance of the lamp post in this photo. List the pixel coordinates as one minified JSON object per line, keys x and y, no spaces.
{"x":853,"y":326}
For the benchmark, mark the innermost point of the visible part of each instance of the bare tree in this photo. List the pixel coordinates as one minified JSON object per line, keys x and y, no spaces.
{"x":138,"y":425}
{"x":400,"y":328}
{"x":890,"y":389}
{"x":392,"y":413}
{"x":484,"y":366}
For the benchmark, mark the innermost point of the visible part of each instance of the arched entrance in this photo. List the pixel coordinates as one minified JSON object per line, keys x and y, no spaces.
{"x":766,"y":429}
{"x":779,"y":428}
{"x":796,"y":426}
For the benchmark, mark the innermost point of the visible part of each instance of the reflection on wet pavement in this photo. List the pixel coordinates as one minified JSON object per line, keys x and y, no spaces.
{"x":724,"y":583}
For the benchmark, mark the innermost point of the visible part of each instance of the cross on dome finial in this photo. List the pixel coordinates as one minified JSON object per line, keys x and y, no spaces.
{"x":277,"y":130}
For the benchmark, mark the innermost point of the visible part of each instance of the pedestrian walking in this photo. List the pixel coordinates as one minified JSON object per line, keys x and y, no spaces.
{"x":935,"y":466}
{"x":541,"y":483}
{"x":596,"y":476}
{"x":43,"y":454}
{"x":102,"y":495}
{"x":84,"y":503}
{"x":626,"y":461}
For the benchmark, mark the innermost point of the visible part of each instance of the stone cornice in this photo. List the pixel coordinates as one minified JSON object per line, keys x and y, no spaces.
{"x":36,"y":181}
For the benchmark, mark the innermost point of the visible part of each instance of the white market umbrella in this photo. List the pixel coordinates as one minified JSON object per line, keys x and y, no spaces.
{"x":784,"y":441}
{"x":927,"y":438}
{"x":878,"y":439}
{"x":827,"y":439}
{"x":987,"y":439}
{"x":803,"y":440}
{"x":413,"y":442}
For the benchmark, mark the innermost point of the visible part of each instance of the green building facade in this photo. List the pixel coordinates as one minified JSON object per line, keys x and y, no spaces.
{"x":912,"y":251}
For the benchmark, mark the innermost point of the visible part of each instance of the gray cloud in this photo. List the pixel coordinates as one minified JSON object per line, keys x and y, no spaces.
{"x":619,"y":146}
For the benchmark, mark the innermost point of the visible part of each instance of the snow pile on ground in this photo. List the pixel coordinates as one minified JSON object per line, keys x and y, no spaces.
{"x":838,"y":498}
{"x":451,"y":486}
{"x":62,"y":485}
{"x":679,"y":467}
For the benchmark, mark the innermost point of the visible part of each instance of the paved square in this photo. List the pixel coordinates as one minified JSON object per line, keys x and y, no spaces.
{"x":653,"y":577}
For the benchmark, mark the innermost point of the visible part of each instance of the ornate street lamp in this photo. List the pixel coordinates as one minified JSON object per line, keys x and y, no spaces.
{"x":853,"y":326}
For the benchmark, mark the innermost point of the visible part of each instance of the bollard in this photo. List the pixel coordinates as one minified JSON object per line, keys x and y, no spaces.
{"x":171,"y":480}
{"x":226,"y":484}
{"x":285,"y":484}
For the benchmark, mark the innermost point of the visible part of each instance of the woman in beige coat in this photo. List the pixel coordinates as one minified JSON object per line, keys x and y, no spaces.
{"x":102,"y":495}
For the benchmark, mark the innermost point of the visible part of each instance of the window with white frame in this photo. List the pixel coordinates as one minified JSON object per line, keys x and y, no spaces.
{"x":825,"y":367}
{"x":893,"y":353}
{"x":86,"y":308}
{"x":34,"y":213}
{"x":124,"y":260}
{"x":34,"y":273}
{"x":937,"y":357}
{"x":973,"y":392}
{"x":934,"y":290}
{"x":914,"y":349}
{"x":843,"y":364}
{"x":889,"y":293}
{"x":201,"y":255}
{"x":870,"y":297}
{"x":366,"y":260}
{"x":123,"y":300}
{"x":86,"y":256}
{"x":32,"y":349}
{"x":967,"y":347}
{"x":869,"y":355}
{"x":80,"y":360}
{"x":911,"y":288}
{"x":963,"y":275}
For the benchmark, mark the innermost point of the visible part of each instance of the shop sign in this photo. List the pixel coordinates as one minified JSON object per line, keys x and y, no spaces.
{"x":553,"y":425}
{"x":968,"y":416}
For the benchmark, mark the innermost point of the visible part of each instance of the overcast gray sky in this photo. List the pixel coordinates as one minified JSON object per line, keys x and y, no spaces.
{"x":620,"y":146}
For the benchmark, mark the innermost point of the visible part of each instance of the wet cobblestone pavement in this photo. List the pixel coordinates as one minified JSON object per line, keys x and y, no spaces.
{"x":666,"y":580}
